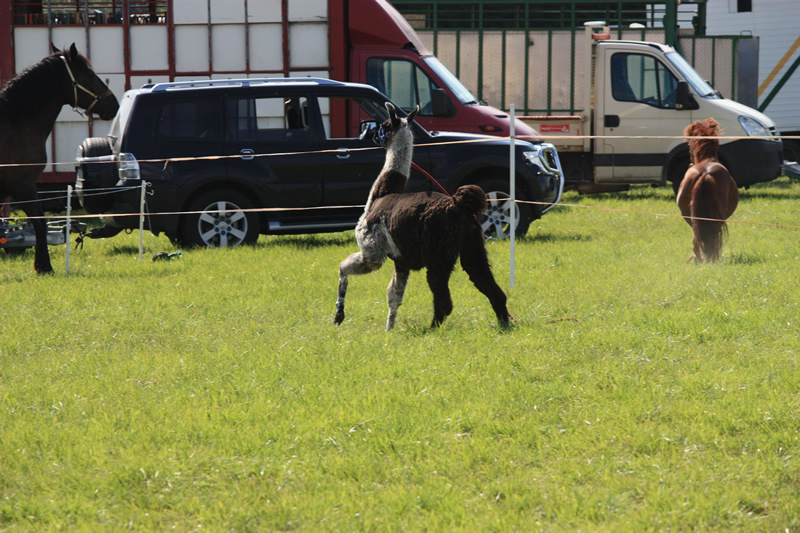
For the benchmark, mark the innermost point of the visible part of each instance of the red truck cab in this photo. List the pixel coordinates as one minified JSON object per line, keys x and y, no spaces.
{"x":372,"y":43}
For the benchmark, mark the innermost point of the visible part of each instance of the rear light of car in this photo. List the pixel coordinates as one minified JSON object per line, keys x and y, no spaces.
{"x":128,"y":167}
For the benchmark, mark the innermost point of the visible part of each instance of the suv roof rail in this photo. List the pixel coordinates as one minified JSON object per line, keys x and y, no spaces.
{"x":241,"y":82}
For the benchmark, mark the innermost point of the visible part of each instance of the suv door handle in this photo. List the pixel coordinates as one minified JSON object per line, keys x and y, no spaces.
{"x":611,"y":121}
{"x":247,"y":151}
{"x":342,"y":153}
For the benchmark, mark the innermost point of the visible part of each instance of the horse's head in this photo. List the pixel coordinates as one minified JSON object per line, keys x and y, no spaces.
{"x":87,"y":91}
{"x":393,"y":125}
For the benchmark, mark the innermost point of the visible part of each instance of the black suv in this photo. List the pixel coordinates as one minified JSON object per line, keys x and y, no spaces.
{"x":227,"y":160}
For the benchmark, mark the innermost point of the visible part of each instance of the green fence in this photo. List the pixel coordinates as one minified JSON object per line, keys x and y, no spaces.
{"x":530,"y":53}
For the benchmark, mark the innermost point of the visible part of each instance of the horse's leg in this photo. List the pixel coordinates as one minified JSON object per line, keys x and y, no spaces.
{"x":475,"y":262}
{"x":354,"y":264}
{"x":33,"y":209}
{"x":395,"y":293}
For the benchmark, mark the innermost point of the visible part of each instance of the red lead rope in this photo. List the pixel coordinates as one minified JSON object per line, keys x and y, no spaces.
{"x":419,"y":168}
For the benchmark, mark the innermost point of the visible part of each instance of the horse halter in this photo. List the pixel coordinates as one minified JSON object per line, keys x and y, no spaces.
{"x":76,"y":86}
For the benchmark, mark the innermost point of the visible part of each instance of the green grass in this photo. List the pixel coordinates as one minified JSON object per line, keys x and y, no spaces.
{"x":212,"y":392}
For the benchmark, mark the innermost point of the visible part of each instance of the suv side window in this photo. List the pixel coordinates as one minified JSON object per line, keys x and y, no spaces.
{"x":642,"y":78}
{"x":196,"y":119}
{"x":342,"y":116}
{"x":268,"y":119}
{"x":404,"y":83}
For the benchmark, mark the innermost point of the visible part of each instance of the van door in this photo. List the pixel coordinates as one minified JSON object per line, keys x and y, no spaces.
{"x":637,"y":102}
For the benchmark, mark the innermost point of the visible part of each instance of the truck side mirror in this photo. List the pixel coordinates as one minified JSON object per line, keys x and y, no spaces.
{"x":684,"y":98}
{"x":442,"y":107}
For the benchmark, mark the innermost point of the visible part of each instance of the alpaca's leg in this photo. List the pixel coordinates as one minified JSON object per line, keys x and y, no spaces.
{"x":442,"y":302}
{"x":475,"y":262}
{"x":354,"y":264}
{"x":395,"y":293}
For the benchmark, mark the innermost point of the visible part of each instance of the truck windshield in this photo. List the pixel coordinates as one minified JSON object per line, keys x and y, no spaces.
{"x":447,"y":78}
{"x":690,"y":75}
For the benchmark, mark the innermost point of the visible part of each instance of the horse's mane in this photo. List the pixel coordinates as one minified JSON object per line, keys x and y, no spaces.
{"x":36,"y":84}
{"x":703,"y":149}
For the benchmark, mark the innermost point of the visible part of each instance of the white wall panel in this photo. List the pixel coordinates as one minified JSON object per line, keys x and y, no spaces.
{"x":30,"y":46}
{"x":266,"y":47}
{"x":191,"y":48}
{"x":63,"y":36}
{"x":227,"y":11}
{"x":308,"y":10}
{"x":264,"y":11}
{"x":308,"y":45}
{"x":149,"y":47}
{"x":228,"y":47}
{"x":138,"y":81}
{"x":68,"y":136}
{"x":190,"y":11}
{"x":106,"y":49}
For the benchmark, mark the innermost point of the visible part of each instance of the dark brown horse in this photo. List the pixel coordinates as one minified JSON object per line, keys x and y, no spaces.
{"x":707,"y":195}
{"x":29,"y":106}
{"x":420,"y":230}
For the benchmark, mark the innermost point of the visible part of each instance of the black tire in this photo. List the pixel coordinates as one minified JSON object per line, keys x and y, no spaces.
{"x":96,"y":175}
{"x":217,"y":221}
{"x":791,"y":150}
{"x":497,"y":221}
{"x":677,"y":168}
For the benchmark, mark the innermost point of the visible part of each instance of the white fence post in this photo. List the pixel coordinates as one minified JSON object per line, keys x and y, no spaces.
{"x":141,"y":220}
{"x":512,"y":189}
{"x":69,"y":223}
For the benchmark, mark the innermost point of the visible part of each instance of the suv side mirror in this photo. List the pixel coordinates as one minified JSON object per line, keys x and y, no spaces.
{"x":366,"y":129}
{"x":684,"y":98}
{"x":442,"y":107}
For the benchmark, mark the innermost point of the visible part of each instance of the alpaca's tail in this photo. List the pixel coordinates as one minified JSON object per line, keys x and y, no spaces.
{"x":708,"y":234}
{"x":471,"y":199}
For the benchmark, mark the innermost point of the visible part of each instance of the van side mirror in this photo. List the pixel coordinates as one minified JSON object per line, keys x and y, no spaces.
{"x":442,"y":107}
{"x":683,"y":97}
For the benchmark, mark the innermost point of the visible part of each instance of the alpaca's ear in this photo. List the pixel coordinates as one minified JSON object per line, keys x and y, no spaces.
{"x":392,"y":111}
{"x":411,"y":115}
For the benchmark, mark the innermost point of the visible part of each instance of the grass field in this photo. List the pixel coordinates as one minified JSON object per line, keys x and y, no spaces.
{"x":212,"y":392}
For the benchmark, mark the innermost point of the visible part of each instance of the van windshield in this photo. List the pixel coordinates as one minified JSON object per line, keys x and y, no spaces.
{"x":701,"y":87}
{"x":453,"y":83}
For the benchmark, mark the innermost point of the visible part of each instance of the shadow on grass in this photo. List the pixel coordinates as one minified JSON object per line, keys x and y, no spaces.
{"x":746,"y":258}
{"x":551,"y":237}
{"x":308,"y":242}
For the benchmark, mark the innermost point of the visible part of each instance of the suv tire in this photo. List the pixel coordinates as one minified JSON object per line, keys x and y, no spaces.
{"x":217,"y":220}
{"x":497,"y":221}
{"x":96,"y":176}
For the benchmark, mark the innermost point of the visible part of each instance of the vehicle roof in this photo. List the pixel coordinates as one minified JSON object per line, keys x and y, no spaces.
{"x":164,"y":87}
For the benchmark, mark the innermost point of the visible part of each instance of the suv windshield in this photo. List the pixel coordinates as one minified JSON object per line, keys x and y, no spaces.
{"x":690,"y":75}
{"x":461,"y":92}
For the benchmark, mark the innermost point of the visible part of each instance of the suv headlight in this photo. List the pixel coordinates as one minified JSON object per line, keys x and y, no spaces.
{"x":752,"y":127}
{"x":128,"y":167}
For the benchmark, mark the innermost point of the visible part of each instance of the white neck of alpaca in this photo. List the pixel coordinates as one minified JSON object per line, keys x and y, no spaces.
{"x":400,"y":151}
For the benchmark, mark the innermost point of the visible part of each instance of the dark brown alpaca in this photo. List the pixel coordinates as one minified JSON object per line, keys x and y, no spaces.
{"x":419,"y":230}
{"x":707,"y":195}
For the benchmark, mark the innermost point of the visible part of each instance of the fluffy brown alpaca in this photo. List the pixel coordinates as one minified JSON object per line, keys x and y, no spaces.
{"x":419,"y":230}
{"x":708,"y":195}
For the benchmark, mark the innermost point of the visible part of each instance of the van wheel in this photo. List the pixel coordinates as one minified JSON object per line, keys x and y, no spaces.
{"x":501,"y":213}
{"x":217,"y":220}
